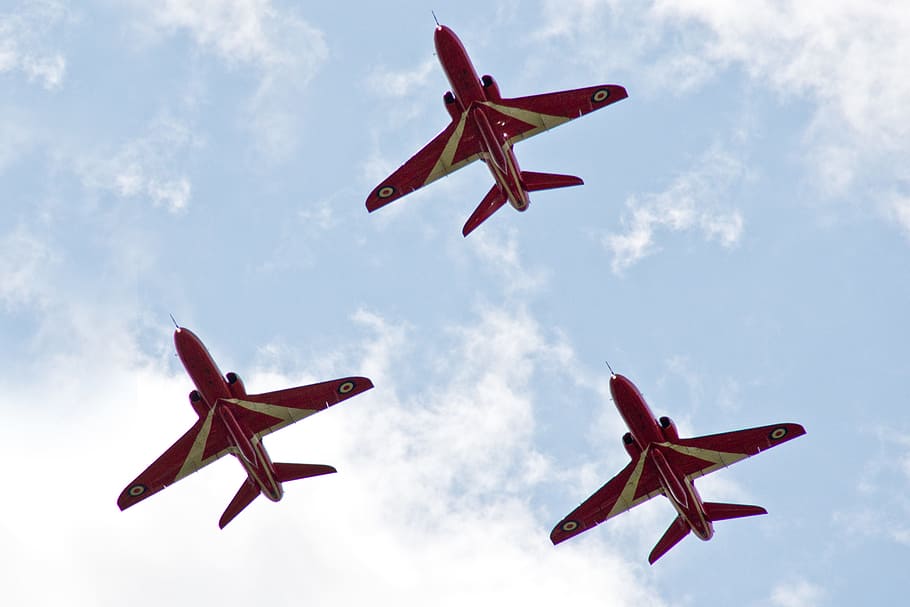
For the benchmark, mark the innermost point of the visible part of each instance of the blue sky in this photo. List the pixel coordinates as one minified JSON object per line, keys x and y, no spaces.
{"x":739,"y":250}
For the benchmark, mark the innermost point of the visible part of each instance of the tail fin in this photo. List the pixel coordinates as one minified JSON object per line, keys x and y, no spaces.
{"x":245,"y":495}
{"x":292,"y":472}
{"x":721,"y":512}
{"x":677,"y":531}
{"x":491,"y":203}
{"x":547,"y":181}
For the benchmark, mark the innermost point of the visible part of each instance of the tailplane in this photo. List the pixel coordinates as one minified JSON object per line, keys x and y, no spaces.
{"x":547,"y":181}
{"x":673,"y":535}
{"x":245,"y":495}
{"x":292,"y":472}
{"x":491,"y":203}
{"x":721,"y":512}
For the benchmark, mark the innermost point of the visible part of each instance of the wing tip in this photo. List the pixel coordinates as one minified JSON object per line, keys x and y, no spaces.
{"x":566,"y":529}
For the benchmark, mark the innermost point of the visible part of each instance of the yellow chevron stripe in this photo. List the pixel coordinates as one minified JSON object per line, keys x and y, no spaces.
{"x":626,"y":497}
{"x":542,"y":122}
{"x":288,"y":415}
{"x":443,"y":164}
{"x":193,"y":460}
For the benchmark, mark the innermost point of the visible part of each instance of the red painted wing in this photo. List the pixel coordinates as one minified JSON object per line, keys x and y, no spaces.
{"x":202,"y":444}
{"x":453,"y":148}
{"x":695,"y":457}
{"x":264,"y":413}
{"x":637,"y":483}
{"x":524,"y":117}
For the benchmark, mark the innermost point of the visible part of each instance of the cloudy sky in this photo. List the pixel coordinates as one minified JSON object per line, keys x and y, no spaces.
{"x":740,"y":250}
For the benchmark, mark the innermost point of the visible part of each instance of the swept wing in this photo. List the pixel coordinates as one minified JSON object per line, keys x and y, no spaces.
{"x":207,"y":441}
{"x":695,"y":457}
{"x":262,"y":414}
{"x":635,"y":484}
{"x":203,"y":443}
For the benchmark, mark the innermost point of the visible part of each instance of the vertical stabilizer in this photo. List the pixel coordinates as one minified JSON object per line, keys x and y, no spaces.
{"x":677,"y":531}
{"x":491,"y":203}
{"x":245,"y":495}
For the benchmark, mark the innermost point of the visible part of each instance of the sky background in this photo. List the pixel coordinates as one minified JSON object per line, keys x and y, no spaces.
{"x":739,"y":250}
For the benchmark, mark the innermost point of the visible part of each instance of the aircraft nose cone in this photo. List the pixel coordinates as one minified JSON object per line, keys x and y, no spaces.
{"x":619,"y":385}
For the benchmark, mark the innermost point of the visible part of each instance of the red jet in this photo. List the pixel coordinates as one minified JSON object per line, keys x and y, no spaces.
{"x":664,"y":464}
{"x":232,"y":421}
{"x":486,"y":126}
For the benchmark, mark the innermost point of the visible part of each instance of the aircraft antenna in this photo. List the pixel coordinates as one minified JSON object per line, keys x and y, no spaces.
{"x":174,"y":320}
{"x":434,"y":17}
{"x":610,"y":368}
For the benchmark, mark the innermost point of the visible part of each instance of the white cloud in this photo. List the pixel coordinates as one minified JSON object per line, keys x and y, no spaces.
{"x":822,"y":51}
{"x":797,"y":593}
{"x":144,"y":167}
{"x":503,"y":256}
{"x":898,"y":207}
{"x":386,"y":82}
{"x":24,"y":259}
{"x":844,"y":59}
{"x":431,"y":503}
{"x":24,"y":46}
{"x":284,"y":49}
{"x":693,"y":201}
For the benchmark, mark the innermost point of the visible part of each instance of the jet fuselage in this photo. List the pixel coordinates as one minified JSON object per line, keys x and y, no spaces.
{"x":649,"y":436}
{"x":214,"y":390}
{"x":465,"y":83}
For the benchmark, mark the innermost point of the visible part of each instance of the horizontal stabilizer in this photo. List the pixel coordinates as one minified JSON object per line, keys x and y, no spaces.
{"x":534,"y":182}
{"x":491,"y":203}
{"x":245,"y":495}
{"x":677,"y":531}
{"x":721,"y":512}
{"x":292,"y":472}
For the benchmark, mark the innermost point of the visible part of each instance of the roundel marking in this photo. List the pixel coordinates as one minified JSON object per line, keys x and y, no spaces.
{"x":778,"y":433}
{"x":385,"y":191}
{"x":600,"y":95}
{"x":569,"y":526}
{"x":136,"y":490}
{"x":346,"y":387}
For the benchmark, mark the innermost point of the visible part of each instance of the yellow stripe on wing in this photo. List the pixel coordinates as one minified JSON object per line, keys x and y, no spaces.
{"x":287,"y":415}
{"x":444,"y":164}
{"x":718,"y":459}
{"x":194,"y":460}
{"x":626,"y":499}
{"x":541,"y":122}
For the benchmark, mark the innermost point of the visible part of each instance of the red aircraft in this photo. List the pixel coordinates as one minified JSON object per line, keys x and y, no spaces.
{"x":486,"y":126}
{"x":664,"y":464}
{"x":232,"y":421}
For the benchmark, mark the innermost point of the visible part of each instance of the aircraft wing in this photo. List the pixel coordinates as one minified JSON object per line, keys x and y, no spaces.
{"x":202,"y":444}
{"x":453,"y":148}
{"x":524,"y":117}
{"x":264,"y":413}
{"x":695,"y":457}
{"x":637,"y":483}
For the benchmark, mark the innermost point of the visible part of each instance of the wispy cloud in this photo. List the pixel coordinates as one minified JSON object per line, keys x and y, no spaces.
{"x":26,"y":42}
{"x":898,"y":207}
{"x":282,"y":47}
{"x":798,"y":593}
{"x":821,"y":51}
{"x":145,"y":167}
{"x":694,"y":201}
{"x":502,"y":254}
{"x":387,"y":82}
{"x":23,"y":260}
{"x":881,"y":511}
{"x":856,"y":138}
